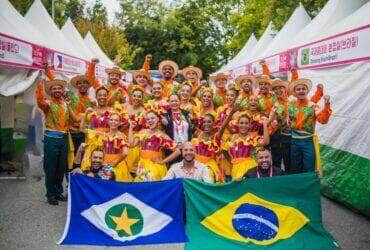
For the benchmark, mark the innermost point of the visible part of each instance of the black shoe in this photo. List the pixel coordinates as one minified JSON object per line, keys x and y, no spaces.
{"x":61,"y":197}
{"x":53,"y":201}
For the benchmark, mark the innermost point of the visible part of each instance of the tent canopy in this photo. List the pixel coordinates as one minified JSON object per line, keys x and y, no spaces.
{"x":40,"y":19}
{"x":298,"y":20}
{"x":13,"y":24}
{"x":333,"y":11}
{"x":74,"y":37}
{"x":94,"y":47}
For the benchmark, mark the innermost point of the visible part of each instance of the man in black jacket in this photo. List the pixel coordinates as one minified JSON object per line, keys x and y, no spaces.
{"x":264,"y":168}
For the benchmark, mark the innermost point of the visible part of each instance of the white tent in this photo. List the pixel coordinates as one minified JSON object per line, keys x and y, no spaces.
{"x":94,"y":47}
{"x":40,"y":19}
{"x":74,"y":37}
{"x":298,"y":20}
{"x":15,"y":80}
{"x":242,"y":55}
{"x":346,"y":138}
{"x":333,"y":11}
{"x":262,"y":44}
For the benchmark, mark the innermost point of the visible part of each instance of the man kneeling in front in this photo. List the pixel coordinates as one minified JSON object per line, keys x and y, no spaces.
{"x":189,"y":168}
{"x":96,"y":169}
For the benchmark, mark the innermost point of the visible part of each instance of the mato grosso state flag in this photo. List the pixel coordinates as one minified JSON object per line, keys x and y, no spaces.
{"x":282,"y":212}
{"x":111,"y":213}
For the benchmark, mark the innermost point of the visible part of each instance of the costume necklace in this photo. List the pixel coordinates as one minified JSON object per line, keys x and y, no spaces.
{"x":270,"y":172}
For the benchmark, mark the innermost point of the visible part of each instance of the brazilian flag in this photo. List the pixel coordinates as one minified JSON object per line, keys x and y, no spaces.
{"x":282,"y":212}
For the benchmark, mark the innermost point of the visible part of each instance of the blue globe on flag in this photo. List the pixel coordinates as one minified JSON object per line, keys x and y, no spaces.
{"x":255,"y":222}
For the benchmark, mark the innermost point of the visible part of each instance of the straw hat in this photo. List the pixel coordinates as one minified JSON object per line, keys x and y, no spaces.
{"x":241,"y":78}
{"x":214,"y":78}
{"x":115,"y":70}
{"x":49,"y":84}
{"x":279,"y":83}
{"x":197,"y":70}
{"x":302,"y":81}
{"x":142,"y":72}
{"x":171,"y":64}
{"x":264,"y":78}
{"x":80,"y":78}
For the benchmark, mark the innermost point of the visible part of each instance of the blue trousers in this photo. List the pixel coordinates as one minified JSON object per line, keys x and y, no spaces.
{"x":302,"y":156}
{"x":55,"y":164}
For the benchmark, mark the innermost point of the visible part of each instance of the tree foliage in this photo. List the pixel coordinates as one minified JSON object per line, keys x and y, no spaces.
{"x":255,"y":15}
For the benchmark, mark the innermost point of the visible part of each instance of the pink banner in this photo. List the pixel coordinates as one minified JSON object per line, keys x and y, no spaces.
{"x":18,"y":53}
{"x":347,"y":47}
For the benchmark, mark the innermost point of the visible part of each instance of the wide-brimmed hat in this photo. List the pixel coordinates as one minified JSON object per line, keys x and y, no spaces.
{"x":143,"y":72}
{"x":80,"y":78}
{"x":279,"y":83}
{"x":115,"y":70}
{"x":171,"y":64}
{"x":263,"y":78}
{"x":197,"y":70}
{"x":214,"y":78}
{"x":241,"y":78}
{"x":51,"y":83}
{"x":302,"y":81}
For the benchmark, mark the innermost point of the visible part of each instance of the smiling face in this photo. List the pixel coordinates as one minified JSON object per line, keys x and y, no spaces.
{"x":167,"y":72}
{"x":280,"y":91}
{"x":137,"y":98}
{"x":221,"y":83}
{"x":83,"y":86}
{"x":301,"y":91}
{"x":208,"y":123}
{"x":56,"y":91}
{"x":246,"y":85}
{"x":157,"y":91}
{"x":264,"y":87}
{"x":253,"y":103}
{"x":101,"y":97}
{"x":264,"y":159}
{"x":97,"y":158}
{"x":243,"y":125}
{"x":141,"y":80}
{"x":192,"y":76}
{"x":207,"y":99}
{"x":152,"y":120}
{"x":188,"y":152}
{"x":231,"y":96}
{"x":185,"y":92}
{"x":114,"y":121}
{"x":114,"y":78}
{"x":174,"y":101}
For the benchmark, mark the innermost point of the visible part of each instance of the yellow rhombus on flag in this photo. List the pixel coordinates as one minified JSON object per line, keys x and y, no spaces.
{"x":252,"y":219}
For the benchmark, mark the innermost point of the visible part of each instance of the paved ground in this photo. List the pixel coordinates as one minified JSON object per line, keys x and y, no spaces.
{"x":28,"y":222}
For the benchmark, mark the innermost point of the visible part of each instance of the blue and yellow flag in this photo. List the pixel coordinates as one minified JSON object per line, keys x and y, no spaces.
{"x":279,"y":213}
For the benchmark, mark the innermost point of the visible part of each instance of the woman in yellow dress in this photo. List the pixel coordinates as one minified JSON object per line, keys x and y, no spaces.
{"x":97,"y":118}
{"x":242,"y":146}
{"x":159,"y":101}
{"x":115,"y":147}
{"x":208,"y":144}
{"x":206,"y":106}
{"x":133,"y":111}
{"x":186,"y":101}
{"x":152,"y":142}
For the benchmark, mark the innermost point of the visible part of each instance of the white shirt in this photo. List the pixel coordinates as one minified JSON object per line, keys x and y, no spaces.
{"x":198,"y":172}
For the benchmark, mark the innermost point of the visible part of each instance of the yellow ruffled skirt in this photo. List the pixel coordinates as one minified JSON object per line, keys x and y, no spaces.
{"x":121,"y":171}
{"x":148,"y":170}
{"x":241,"y":166}
{"x":217,"y":173}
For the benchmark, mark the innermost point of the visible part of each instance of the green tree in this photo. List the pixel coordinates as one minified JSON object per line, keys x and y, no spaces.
{"x":255,"y":15}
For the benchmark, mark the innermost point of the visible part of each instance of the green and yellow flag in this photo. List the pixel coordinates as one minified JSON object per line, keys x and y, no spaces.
{"x":279,"y":213}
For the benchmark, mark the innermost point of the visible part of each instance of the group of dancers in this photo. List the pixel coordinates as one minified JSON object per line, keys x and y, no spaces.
{"x":139,"y":128}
